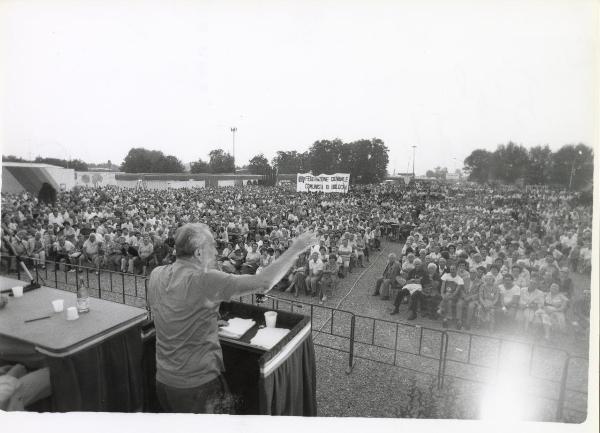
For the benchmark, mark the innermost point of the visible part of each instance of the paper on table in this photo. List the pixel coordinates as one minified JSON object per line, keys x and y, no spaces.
{"x":269,"y":337}
{"x":236,"y":328}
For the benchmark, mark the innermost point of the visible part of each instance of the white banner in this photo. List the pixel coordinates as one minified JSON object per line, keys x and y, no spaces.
{"x":337,"y":182}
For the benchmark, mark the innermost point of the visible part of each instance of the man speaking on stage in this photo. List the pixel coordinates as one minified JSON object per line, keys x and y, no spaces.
{"x":184,"y":298}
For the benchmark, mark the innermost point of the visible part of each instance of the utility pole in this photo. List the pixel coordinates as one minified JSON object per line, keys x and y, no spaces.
{"x":573,"y":169}
{"x":414,"y":147}
{"x":233,"y":131}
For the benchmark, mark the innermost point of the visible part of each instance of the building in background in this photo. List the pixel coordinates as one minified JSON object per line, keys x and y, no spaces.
{"x":19,"y":177}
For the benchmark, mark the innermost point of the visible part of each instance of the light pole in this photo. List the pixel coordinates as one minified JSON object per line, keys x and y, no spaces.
{"x":233,"y":131}
{"x":414,"y":147}
{"x":573,"y":168}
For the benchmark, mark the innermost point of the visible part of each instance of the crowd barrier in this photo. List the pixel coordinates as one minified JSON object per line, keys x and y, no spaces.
{"x":440,"y":353}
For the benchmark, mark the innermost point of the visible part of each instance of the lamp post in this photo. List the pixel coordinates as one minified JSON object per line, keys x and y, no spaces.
{"x":233,"y":131}
{"x":414,"y":147}
{"x":573,"y":168}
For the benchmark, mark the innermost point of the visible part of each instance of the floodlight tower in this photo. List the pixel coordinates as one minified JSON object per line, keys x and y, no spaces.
{"x":233,"y":131}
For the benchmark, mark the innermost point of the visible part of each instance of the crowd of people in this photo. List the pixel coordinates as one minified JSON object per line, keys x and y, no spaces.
{"x":470,"y":254}
{"x":485,"y":257}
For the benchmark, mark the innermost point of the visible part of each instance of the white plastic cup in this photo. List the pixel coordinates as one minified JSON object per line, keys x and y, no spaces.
{"x":271,"y":319}
{"x":72,"y":313}
{"x":58,"y":305}
{"x":17,"y":291}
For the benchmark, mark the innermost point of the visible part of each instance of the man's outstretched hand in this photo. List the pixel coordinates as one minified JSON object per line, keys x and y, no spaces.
{"x":305,"y":241}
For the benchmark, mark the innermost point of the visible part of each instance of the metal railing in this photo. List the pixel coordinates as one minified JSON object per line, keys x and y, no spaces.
{"x":322,"y":319}
{"x":125,"y":288}
{"x":439,"y":353}
{"x":423,"y":357}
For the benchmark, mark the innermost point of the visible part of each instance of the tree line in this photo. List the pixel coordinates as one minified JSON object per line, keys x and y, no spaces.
{"x":571,"y":166}
{"x":75,"y":164}
{"x":366,"y":160}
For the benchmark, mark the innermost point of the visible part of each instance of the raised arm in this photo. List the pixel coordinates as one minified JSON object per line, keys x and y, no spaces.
{"x":272,"y":274}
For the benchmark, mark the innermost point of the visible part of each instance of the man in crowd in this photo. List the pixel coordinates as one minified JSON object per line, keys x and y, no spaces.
{"x":452,"y":287}
{"x":315,"y":271}
{"x":391,"y":271}
{"x":91,"y":253}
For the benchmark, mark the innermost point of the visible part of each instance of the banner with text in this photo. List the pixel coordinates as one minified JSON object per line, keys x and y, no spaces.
{"x":337,"y":182}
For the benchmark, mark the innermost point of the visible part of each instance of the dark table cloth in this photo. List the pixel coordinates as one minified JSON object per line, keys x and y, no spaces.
{"x":103,"y":378}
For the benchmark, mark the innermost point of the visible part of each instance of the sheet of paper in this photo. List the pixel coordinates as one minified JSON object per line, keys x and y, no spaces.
{"x":236,"y":328}
{"x":268,"y":337}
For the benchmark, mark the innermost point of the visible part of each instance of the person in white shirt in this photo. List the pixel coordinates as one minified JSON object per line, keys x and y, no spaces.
{"x":531,"y":300}
{"x":345,"y":252}
{"x":520,"y":274}
{"x":510,"y":294}
{"x":315,"y":270}
{"x":55,"y":218}
{"x":62,"y":250}
{"x":452,"y":287}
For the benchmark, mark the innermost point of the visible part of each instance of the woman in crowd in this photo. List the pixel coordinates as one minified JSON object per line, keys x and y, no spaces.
{"x":297,"y":277}
{"x":530,"y":301}
{"x":329,"y":279}
{"x":489,"y":296}
{"x":552,"y":313}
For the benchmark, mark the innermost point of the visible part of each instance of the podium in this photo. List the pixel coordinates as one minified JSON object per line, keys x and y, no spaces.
{"x":278,"y":381}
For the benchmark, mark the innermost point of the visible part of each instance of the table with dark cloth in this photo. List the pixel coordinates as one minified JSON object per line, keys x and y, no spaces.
{"x":279,"y":381}
{"x":95,"y":361}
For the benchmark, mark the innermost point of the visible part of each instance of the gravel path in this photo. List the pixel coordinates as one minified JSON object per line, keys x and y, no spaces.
{"x":393,"y":396}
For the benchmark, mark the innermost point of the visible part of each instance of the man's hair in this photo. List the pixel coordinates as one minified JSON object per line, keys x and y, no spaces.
{"x":190,"y":237}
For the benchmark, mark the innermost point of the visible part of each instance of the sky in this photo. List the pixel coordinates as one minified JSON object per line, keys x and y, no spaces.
{"x":92,"y":79}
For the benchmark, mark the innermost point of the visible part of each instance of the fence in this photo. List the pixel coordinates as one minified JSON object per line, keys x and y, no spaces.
{"x":110,"y":285}
{"x":560,"y":377}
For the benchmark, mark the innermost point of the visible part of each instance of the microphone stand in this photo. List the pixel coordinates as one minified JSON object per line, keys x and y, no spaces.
{"x":33,"y":284}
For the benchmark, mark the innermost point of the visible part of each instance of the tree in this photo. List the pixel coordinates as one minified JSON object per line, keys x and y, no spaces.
{"x":170,"y":164}
{"x":291,"y":162}
{"x":572,"y":165}
{"x":539,"y":165}
{"x":478,"y":164}
{"x":510,"y":162}
{"x":438,"y":173}
{"x":96,"y":179}
{"x":259,"y":164}
{"x":140,"y":160}
{"x":104,"y":166}
{"x":13,"y":158}
{"x":75,"y":164}
{"x":200,"y":167}
{"x":365,"y":160}
{"x":325,"y":156}
{"x":221,"y":162}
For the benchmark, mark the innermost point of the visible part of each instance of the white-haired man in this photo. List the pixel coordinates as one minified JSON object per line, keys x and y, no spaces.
{"x":184,"y":298}
{"x":391,"y":271}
